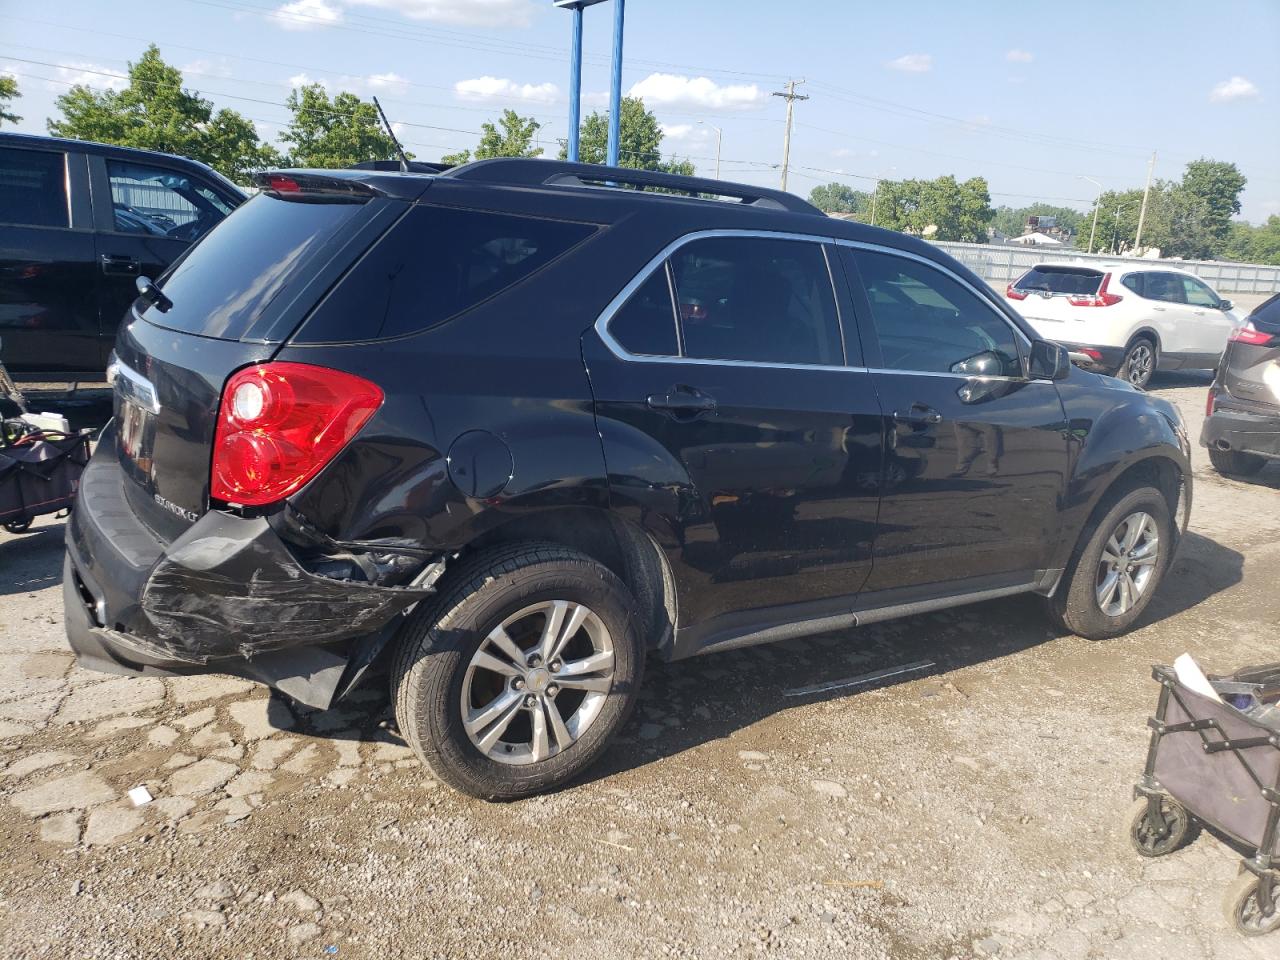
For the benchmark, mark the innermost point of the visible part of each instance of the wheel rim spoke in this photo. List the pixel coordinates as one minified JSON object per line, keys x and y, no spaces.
{"x":591,"y":684}
{"x":541,"y":745}
{"x":563,"y":622}
{"x":1107,"y":590}
{"x":500,"y":639}
{"x":488,"y":661}
{"x":596,"y":663}
{"x":489,"y":724}
{"x":558,"y":730}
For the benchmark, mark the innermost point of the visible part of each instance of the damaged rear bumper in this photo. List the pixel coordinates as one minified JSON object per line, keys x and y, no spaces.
{"x":228,"y":596}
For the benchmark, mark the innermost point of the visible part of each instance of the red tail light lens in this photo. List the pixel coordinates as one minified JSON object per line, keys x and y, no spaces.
{"x":1251,"y":335}
{"x":1100,"y":299}
{"x":1210,"y":401}
{"x":1013,"y":293}
{"x":279,"y":424}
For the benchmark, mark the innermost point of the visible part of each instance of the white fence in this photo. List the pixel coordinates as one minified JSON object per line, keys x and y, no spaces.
{"x":1004,"y":263}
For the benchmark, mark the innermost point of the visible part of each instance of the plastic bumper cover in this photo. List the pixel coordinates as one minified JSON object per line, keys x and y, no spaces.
{"x":1228,"y":429}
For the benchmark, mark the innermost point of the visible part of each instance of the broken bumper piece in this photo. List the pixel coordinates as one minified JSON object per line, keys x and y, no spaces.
{"x":228,"y":596}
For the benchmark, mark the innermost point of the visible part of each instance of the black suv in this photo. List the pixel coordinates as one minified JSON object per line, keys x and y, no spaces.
{"x":79,"y":223}
{"x":522,"y":424}
{"x":1242,"y":422}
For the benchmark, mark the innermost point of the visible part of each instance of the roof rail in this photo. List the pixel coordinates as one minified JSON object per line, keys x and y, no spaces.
{"x":534,"y":172}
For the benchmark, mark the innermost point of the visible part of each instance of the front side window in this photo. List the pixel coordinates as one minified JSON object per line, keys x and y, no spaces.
{"x":1165,"y":286}
{"x":162,"y":203}
{"x":33,"y":188}
{"x":927,"y":322}
{"x":756,"y":299}
{"x":1199,"y":295}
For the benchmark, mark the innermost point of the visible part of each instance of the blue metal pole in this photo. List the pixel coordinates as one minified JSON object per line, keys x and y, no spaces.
{"x":575,"y":85}
{"x":615,"y":91}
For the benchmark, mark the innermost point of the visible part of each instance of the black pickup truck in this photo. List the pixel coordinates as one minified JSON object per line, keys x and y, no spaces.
{"x":79,"y":222}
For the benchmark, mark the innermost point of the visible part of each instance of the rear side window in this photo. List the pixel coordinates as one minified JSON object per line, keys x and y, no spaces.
{"x":646,"y":324}
{"x":222,"y":286}
{"x":33,"y":188}
{"x":755,"y":299}
{"x":434,"y":264}
{"x":1134,"y":281}
{"x":162,"y":203}
{"x":1066,"y":280}
{"x":1266,"y":315}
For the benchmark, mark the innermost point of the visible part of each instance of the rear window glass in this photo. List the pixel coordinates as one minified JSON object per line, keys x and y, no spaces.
{"x":1266,"y":315}
{"x":1059,"y":280}
{"x":433,"y":265}
{"x":33,"y":188}
{"x":227,"y":280}
{"x":646,"y":324}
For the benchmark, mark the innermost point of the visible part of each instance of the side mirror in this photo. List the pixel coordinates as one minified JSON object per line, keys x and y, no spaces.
{"x":1049,"y":360}
{"x":1225,"y":305}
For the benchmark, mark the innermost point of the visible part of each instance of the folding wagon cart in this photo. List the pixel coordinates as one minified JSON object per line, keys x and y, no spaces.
{"x":1213,"y":764}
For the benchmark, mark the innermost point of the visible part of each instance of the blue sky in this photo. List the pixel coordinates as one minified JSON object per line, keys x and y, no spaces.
{"x":1032,"y":95}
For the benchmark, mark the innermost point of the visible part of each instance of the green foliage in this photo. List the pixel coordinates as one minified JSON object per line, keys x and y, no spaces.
{"x":154,"y":112}
{"x":840,"y":198}
{"x":515,"y":139}
{"x":940,"y":209}
{"x":639,"y":140}
{"x":334,"y":132}
{"x":1012,"y":221}
{"x":8,"y":91}
{"x":1251,"y":244}
{"x":1213,"y":187}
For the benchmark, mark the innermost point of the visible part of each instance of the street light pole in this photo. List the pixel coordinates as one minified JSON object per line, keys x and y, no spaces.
{"x":1094,"y":229}
{"x":719,"y":134}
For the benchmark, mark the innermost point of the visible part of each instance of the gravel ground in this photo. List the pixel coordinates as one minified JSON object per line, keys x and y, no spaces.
{"x":972,"y":811}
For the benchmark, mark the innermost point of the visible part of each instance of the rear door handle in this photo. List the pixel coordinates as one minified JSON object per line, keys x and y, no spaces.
{"x":119,"y":265}
{"x":682,"y":403}
{"x":920,"y":414}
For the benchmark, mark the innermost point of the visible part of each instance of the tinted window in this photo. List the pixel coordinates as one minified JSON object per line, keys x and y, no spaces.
{"x":1165,"y":286}
{"x":222,"y":285}
{"x":1134,"y":282}
{"x":1266,"y":315}
{"x":1066,"y":280}
{"x":926,"y":321}
{"x":646,"y":324}
{"x":1198,"y":295}
{"x":162,"y":203}
{"x":33,"y":188}
{"x":436,"y":263}
{"x":744,"y":298}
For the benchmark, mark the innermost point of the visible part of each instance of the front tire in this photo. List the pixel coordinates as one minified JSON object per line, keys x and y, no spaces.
{"x":1115,"y":572}
{"x":1139,"y":363}
{"x":1236,"y":462}
{"x":515,"y":680}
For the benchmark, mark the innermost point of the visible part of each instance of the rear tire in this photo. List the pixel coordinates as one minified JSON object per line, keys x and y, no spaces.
{"x":1139,"y":363}
{"x":1236,"y":462}
{"x":1112,"y":578}
{"x":476,"y":698}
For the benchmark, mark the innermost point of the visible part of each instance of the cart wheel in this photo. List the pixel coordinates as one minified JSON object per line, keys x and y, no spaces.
{"x":1243,"y":910}
{"x":18,"y":526}
{"x":1150,"y":841}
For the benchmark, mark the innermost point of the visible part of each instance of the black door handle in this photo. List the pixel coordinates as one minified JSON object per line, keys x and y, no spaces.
{"x":118,"y":265}
{"x":682,"y":403}
{"x":920,"y":414}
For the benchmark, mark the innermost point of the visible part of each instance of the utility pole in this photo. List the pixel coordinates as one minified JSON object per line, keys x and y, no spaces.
{"x":1142,"y":213}
{"x":791,"y":97}
{"x":719,"y":136}
{"x":1094,"y":229}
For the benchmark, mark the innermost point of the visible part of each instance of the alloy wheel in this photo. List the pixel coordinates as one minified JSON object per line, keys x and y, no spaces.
{"x":1128,"y":563}
{"x":1139,"y":365}
{"x":537,"y":682}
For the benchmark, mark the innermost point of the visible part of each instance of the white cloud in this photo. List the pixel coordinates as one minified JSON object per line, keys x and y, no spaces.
{"x":302,"y":80}
{"x":208,"y":68}
{"x":669,"y":90}
{"x":912,"y":63}
{"x":1237,"y":88}
{"x":390,"y":82}
{"x":462,"y":13}
{"x":307,"y":15}
{"x":90,"y":75}
{"x":488,"y":89}
{"x":1019,"y":56}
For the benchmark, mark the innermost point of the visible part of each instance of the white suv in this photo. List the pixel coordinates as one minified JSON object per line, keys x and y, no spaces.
{"x":1126,"y":319}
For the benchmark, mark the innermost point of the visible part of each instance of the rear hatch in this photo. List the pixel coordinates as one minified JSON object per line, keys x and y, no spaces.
{"x":1251,"y":365}
{"x":229,"y":302}
{"x":1044,"y":296}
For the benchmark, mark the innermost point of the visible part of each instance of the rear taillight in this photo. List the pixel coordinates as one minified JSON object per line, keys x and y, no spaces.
{"x":1099,"y":299}
{"x":1250,"y":334}
{"x":1210,"y":401}
{"x":279,"y":424}
{"x":1013,"y":293}
{"x":1092,"y":354}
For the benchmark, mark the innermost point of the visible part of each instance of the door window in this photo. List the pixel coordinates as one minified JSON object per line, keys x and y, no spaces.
{"x":1199,"y":295}
{"x":33,"y":188}
{"x":755,"y":299}
{"x":646,"y":324}
{"x":162,"y":203}
{"x":1134,"y":281}
{"x":1165,"y":286}
{"x":925,"y":321}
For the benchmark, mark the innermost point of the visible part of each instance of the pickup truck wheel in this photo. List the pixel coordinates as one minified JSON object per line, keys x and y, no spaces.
{"x":1114,"y":575}
{"x":1236,"y":462}
{"x":515,"y":680}
{"x":1139,"y":363}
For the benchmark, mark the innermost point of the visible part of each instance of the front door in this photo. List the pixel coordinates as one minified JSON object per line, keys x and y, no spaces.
{"x":733,"y":429}
{"x":977,"y":454}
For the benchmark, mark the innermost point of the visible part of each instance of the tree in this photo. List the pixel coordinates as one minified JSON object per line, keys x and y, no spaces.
{"x":1213,"y":187}
{"x":639,"y":140}
{"x":154,"y":112}
{"x":8,"y":91}
{"x":840,"y":198}
{"x":1251,"y":244}
{"x":1012,"y":221}
{"x":515,"y":139}
{"x":334,"y":132}
{"x":941,"y":209}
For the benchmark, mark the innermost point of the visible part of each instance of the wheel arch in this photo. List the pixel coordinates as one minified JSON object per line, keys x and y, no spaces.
{"x":1150,"y":333}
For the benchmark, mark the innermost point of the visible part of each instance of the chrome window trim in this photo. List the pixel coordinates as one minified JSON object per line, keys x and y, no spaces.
{"x":601,"y":325}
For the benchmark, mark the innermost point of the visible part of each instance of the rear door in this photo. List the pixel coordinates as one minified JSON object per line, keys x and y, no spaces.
{"x":48,"y":304}
{"x":976,"y":456}
{"x":723,"y":394}
{"x":1170,"y":313}
{"x":153,"y":215}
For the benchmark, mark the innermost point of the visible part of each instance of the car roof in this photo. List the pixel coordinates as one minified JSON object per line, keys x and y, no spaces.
{"x":1115,"y":266}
